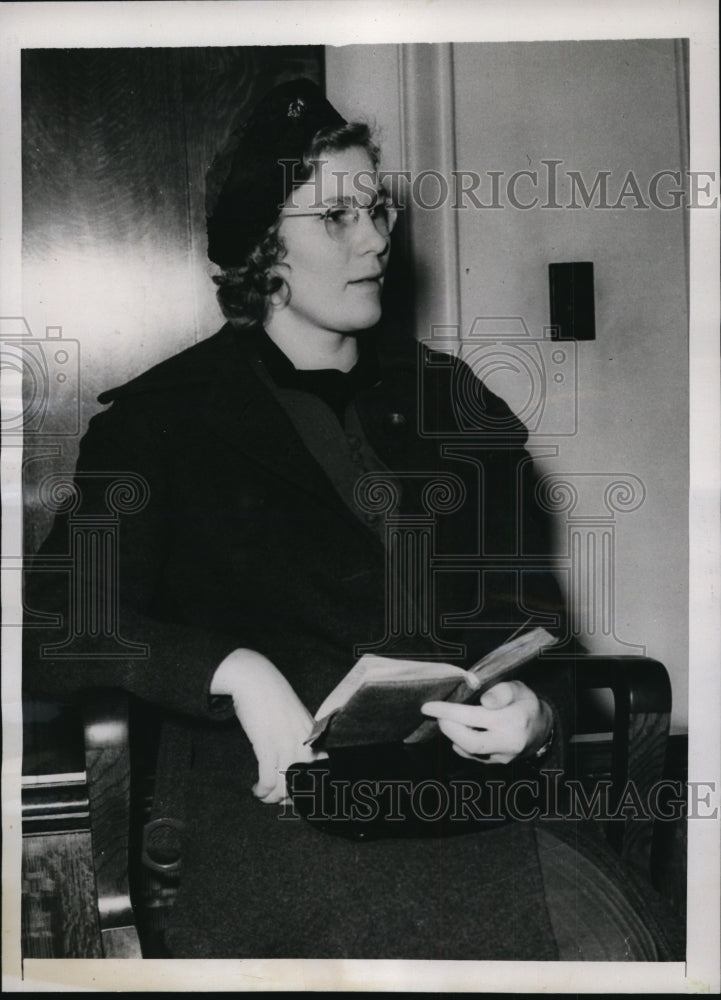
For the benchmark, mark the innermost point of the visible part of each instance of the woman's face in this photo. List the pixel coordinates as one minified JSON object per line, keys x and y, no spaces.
{"x":335,"y":285}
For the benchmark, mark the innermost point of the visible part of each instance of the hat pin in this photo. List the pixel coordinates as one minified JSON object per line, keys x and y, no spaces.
{"x":296,"y":108}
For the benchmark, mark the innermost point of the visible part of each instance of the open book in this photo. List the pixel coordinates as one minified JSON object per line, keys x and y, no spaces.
{"x":379,"y":700}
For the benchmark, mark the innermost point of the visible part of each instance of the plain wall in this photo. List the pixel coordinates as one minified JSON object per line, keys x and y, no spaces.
{"x":617,"y":106}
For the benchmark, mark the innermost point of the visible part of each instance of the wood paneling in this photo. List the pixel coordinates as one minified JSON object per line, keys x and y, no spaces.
{"x":116,"y":143}
{"x":59,"y":907}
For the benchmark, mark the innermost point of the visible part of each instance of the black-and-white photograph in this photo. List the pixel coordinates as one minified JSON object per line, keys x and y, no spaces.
{"x":348,"y":394}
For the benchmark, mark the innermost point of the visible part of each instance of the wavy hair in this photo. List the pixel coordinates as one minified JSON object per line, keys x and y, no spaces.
{"x":244,"y":292}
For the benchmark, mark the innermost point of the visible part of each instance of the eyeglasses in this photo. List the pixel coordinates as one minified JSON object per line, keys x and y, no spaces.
{"x":340,"y":222}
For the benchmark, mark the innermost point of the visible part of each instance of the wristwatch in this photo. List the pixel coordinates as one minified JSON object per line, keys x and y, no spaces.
{"x":546,"y":746}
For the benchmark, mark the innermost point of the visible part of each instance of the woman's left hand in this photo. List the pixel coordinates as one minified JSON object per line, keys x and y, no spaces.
{"x":510,"y":722}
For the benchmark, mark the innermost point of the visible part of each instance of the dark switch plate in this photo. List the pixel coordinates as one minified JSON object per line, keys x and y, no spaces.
{"x":572,"y":306}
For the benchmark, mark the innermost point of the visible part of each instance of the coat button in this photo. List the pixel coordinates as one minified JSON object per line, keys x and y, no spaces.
{"x":396,"y":420}
{"x":354,"y":441}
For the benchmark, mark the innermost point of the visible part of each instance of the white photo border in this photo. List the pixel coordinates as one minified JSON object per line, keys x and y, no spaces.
{"x":246,"y":22}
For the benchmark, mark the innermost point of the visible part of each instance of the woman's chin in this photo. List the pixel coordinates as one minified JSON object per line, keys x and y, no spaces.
{"x":363,"y":319}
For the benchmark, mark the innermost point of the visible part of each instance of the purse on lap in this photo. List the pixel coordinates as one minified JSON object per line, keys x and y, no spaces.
{"x":413,"y":790}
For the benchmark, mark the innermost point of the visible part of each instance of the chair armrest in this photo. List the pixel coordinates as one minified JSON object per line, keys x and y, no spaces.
{"x":107,"y":763}
{"x":642,"y":710}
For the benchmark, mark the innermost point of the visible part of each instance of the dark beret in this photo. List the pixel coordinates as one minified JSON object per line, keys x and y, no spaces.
{"x":247,"y":184}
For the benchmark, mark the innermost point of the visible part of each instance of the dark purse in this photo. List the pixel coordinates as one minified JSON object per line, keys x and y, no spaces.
{"x":412,"y":790}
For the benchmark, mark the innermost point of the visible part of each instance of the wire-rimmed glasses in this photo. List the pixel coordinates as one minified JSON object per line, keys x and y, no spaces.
{"x":341,"y":220}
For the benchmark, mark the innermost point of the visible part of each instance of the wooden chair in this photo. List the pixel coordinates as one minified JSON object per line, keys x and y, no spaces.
{"x":76,"y":835}
{"x":80,"y":828}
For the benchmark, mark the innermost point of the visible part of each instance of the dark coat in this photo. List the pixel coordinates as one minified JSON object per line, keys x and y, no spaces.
{"x":244,"y":541}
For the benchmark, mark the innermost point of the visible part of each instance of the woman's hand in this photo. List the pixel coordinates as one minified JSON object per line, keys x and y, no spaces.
{"x":274,"y":719}
{"x":509,"y":722}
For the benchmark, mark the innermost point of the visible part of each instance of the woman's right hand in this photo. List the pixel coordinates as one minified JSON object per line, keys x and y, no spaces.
{"x":274,"y":719}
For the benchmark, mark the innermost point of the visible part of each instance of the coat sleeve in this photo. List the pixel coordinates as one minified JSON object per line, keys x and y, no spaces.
{"x":528,"y":534}
{"x":90,"y":600}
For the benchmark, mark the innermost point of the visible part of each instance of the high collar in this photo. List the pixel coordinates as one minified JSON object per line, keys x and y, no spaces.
{"x":335,"y":387}
{"x":365,"y":371}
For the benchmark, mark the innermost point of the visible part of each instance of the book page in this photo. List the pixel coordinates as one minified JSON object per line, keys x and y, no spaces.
{"x":372,"y":669}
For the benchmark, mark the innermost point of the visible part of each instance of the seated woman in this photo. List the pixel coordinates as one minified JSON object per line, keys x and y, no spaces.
{"x":255,"y":574}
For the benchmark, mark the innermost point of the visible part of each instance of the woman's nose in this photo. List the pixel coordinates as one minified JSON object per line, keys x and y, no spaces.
{"x":369,"y":238}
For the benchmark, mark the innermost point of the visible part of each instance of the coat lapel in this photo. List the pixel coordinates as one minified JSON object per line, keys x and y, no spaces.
{"x":241,"y":410}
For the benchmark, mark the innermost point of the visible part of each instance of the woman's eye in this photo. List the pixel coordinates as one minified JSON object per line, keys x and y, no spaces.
{"x":340,"y":216}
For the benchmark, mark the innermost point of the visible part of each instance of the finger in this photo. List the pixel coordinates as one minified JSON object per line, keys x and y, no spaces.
{"x":470,"y":740}
{"x":278,"y":791}
{"x":483,"y":741}
{"x":262,"y":791}
{"x":267,"y":775}
{"x":306,"y":755}
{"x":499,"y":695}
{"x":482,"y":757}
{"x":474,"y":716}
{"x":485,"y":758}
{"x":277,"y":794}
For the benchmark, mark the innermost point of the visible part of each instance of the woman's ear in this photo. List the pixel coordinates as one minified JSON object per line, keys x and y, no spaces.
{"x":277,"y":300}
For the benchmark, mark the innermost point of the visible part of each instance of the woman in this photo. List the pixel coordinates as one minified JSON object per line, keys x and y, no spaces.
{"x":332,"y":270}
{"x":255,"y":574}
